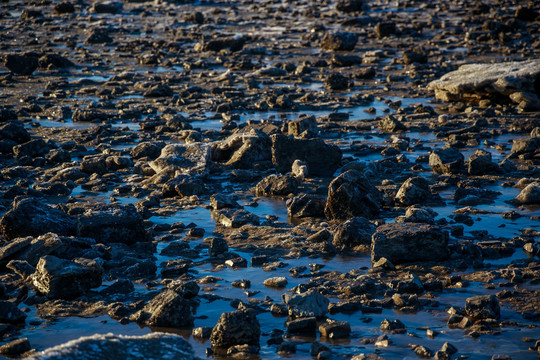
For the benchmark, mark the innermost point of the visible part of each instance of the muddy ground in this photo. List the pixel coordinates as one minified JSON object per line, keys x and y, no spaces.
{"x":163,"y":163}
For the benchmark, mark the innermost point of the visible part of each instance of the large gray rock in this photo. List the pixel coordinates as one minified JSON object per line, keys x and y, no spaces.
{"x":189,"y":159}
{"x":63,"y":279}
{"x":474,"y":81}
{"x":321,"y":159}
{"x":308,"y":304}
{"x":155,"y":346}
{"x":31,"y":217}
{"x":401,"y":243}
{"x":168,"y":309}
{"x":446,"y":161}
{"x":242,"y":151}
{"x":352,"y":194}
{"x":239,"y":327}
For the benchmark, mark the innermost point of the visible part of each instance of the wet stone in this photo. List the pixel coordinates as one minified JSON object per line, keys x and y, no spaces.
{"x":168,"y":309}
{"x":10,"y":313}
{"x":21,"y":64}
{"x":308,"y":304}
{"x":339,"y":41}
{"x":483,"y":307}
{"x":236,"y":328}
{"x":335,"y":329}
{"x":234,"y":218}
{"x":304,"y":326}
{"x":15,"y":348}
{"x":446,"y":161}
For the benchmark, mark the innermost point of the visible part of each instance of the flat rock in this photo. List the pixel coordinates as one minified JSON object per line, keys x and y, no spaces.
{"x":189,"y":159}
{"x":155,"y":346}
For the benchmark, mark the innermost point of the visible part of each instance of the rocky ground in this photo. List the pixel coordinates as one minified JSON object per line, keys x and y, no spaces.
{"x":266,"y":179}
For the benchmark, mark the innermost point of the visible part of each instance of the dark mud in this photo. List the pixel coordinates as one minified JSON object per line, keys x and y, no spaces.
{"x":164,"y":164}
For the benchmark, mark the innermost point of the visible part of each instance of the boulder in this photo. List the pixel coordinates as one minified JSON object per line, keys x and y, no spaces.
{"x":483,"y":307}
{"x":276,"y":185}
{"x":276,"y":282}
{"x":168,"y":309}
{"x":333,"y":329}
{"x":31,"y":249}
{"x":182,"y":186}
{"x":476,"y":81}
{"x":354,"y":233}
{"x":352,"y":194}
{"x":146,"y":149}
{"x":111,"y":223}
{"x":414,"y":190}
{"x":189,"y":159}
{"x":63,"y":279}
{"x":306,"y":205}
{"x":239,"y":327}
{"x":308,"y":304}
{"x":401,"y":243}
{"x":32,"y":148}
{"x":14,"y":131}
{"x":242,"y":151}
{"x":339,"y":41}
{"x":31,"y":217}
{"x":322,"y":159}
{"x":154,"y":346}
{"x":525,"y":146}
{"x":480,"y":163}
{"x":530,"y":194}
{"x":16,"y":348}
{"x":234,"y":218}
{"x":21,"y":64}
{"x":417,"y":215}
{"x":446,"y":161}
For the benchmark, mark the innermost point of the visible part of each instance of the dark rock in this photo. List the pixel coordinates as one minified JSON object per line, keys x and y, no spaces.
{"x":21,"y":268}
{"x":10,"y":313}
{"x":308,"y":304}
{"x":233,"y":44}
{"x":202,"y":332}
{"x":98,"y":36}
{"x":242,"y":151}
{"x":306,"y":205}
{"x":159,"y":90}
{"x":480,"y":163}
{"x":155,"y":346}
{"x":417,"y":215}
{"x":31,"y":217}
{"x":336,"y":82}
{"x":16,"y":348}
{"x":182,"y":186}
{"x":15,"y":131}
{"x":239,"y":327}
{"x":354,"y":233}
{"x":64,"y":279}
{"x":276,"y":185}
{"x":392,"y":325}
{"x":401,"y":243}
{"x":525,"y":146}
{"x":234,"y":218}
{"x":287,"y":348}
{"x":187,"y":159}
{"x":446,"y":161}
{"x":217,"y":247}
{"x":64,"y":7}
{"x":90,"y":115}
{"x":348,"y":6}
{"x":21,"y":64}
{"x":322,"y":159}
{"x":384,"y":29}
{"x":222,"y":201}
{"x":417,"y":55}
{"x":55,"y":60}
{"x":526,"y":14}
{"x":169,"y":309}
{"x":307,"y":325}
{"x":32,"y":148}
{"x":414,"y":190}
{"x":390,"y":124}
{"x":351,"y":194}
{"x":339,"y":41}
{"x":483,"y":307}
{"x":333,"y":329}
{"x":146,"y":149}
{"x":112,"y":223}
{"x":238,"y":262}
{"x":107,"y":7}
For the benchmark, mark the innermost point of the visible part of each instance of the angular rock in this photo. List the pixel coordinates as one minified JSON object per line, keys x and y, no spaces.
{"x":242,"y":151}
{"x":480,"y":163}
{"x":276,"y":185}
{"x":351,"y":194}
{"x":483,"y":307}
{"x":217,"y":247}
{"x":16,"y":348}
{"x":322,"y":159}
{"x":339,"y":41}
{"x":154,"y":346}
{"x":417,"y":215}
{"x":307,"y":325}
{"x":146,"y":149}
{"x":21,"y":64}
{"x":530,"y":194}
{"x":31,"y":217}
{"x":276,"y":282}
{"x":348,"y":6}
{"x":10,"y":313}
{"x":446,"y":161}
{"x":401,"y":243}
{"x":169,"y":309}
{"x":63,"y":279}
{"x":189,"y":159}
{"x":475,"y":81}
{"x":15,"y":131}
{"x":182,"y":186}
{"x":336,"y":81}
{"x":390,"y":124}
{"x":528,"y":146}
{"x":308,"y":304}
{"x":414,"y":190}
{"x":239,"y":327}
{"x":333,"y":329}
{"x":306,"y":205}
{"x":354,"y":233}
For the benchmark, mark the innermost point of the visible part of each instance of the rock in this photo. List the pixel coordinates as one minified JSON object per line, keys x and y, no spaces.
{"x":239,"y":327}
{"x":414,"y":190}
{"x":146,"y":149}
{"x":339,"y":41}
{"x":333,"y":329}
{"x":480,"y":163}
{"x":10,"y":313}
{"x":21,"y":268}
{"x":188,"y":159}
{"x":476,"y":81}
{"x":31,"y":217}
{"x":336,"y":82}
{"x":168,"y":309}
{"x":351,"y":194}
{"x":234,"y":218}
{"x":401,"y":243}
{"x":530,"y":194}
{"x":422,"y":351}
{"x":55,"y":60}
{"x":238,"y":262}
{"x":322,"y":159}
{"x":154,"y":346}
{"x":348,"y":6}
{"x":275,"y":185}
{"x":107,"y":7}
{"x":305,"y":126}
{"x":158,"y":90}
{"x":392,"y":325}
{"x":64,"y":7}
{"x":390,"y":124}
{"x":417,"y":55}
{"x":63,"y":279}
{"x":30,"y":249}
{"x":528,"y":146}
{"x":307,"y":325}
{"x":276,"y":282}
{"x":384,"y":29}
{"x":232,"y":43}
{"x":354,"y":233}
{"x":308,"y":304}
{"x":16,"y":348}
{"x":21,"y":64}
{"x":217,"y":247}
{"x":15,"y":131}
{"x":526,"y":14}
{"x":112,"y":224}
{"x":202,"y":332}
{"x":88,"y":115}
{"x":446,"y":161}
{"x":417,"y":215}
{"x":183,"y":186}
{"x":483,"y":307}
{"x":242,"y":151}
{"x":306,"y":205}
{"x":32,"y":148}
{"x":98,"y":36}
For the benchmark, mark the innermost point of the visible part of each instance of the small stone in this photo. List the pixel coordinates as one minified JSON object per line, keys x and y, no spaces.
{"x":276,"y":282}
